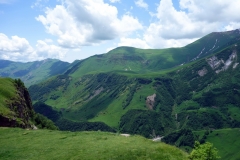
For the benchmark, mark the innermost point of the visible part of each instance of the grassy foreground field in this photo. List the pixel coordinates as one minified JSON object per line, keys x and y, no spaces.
{"x":20,"y":144}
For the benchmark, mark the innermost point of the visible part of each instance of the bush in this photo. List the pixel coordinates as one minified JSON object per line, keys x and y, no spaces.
{"x":204,"y":151}
{"x":43,"y":122}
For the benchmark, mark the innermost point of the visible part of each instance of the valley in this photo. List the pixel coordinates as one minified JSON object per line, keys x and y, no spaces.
{"x":182,"y":94}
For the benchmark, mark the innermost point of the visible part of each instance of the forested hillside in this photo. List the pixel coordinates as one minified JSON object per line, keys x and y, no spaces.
{"x":197,"y":95}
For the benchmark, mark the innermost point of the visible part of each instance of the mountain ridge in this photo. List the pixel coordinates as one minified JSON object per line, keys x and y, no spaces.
{"x":173,"y":92}
{"x":121,"y":59}
{"x":32,"y":72}
{"x":107,"y":95}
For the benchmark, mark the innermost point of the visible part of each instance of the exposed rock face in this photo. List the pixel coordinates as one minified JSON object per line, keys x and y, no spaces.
{"x":215,"y":63}
{"x":6,"y":122}
{"x":150,"y":101}
{"x":202,"y":72}
{"x":21,"y":108}
{"x":235,"y":65}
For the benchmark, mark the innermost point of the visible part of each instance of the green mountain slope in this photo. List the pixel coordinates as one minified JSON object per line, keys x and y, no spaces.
{"x":45,"y":144}
{"x":129,"y":59}
{"x":123,"y":59}
{"x":198,"y":95}
{"x":32,"y":72}
{"x":140,"y":92}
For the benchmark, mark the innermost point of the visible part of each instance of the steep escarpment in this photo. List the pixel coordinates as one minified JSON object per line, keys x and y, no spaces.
{"x":15,"y":104}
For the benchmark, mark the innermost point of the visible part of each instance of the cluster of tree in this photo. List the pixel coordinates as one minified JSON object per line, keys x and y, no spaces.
{"x":65,"y":124}
{"x":68,"y":125}
{"x":141,"y":122}
{"x":229,"y":94}
{"x":165,"y":95}
{"x":144,"y":80}
{"x":92,"y":108}
{"x":183,"y":137}
{"x":130,"y":95}
{"x":47,"y":111}
{"x":19,"y":83}
{"x":204,"y":137}
{"x":107,"y":80}
{"x":43,"y":123}
{"x":201,"y":120}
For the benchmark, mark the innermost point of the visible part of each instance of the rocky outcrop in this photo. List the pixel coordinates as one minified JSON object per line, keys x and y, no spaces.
{"x":214,"y":62}
{"x":150,"y":101}
{"x":7,"y":122}
{"x":20,"y":107}
{"x":202,"y":72}
{"x":220,"y":65}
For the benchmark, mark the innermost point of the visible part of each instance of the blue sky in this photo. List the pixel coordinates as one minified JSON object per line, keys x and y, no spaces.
{"x":76,"y":29}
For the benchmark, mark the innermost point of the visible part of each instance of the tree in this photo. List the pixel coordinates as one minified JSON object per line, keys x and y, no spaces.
{"x":204,"y":151}
{"x":19,"y":82}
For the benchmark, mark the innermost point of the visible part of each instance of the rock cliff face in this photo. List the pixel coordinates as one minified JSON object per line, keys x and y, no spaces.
{"x":150,"y":101}
{"x":20,"y":108}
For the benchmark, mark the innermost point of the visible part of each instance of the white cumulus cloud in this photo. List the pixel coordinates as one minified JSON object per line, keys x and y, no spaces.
{"x":142,"y":4}
{"x":18,"y":49}
{"x":173,"y":24}
{"x":15,"y":48}
{"x":232,"y":26}
{"x":133,"y":42}
{"x":45,"y":50}
{"x":212,"y":11}
{"x":176,"y":28}
{"x":87,"y":22}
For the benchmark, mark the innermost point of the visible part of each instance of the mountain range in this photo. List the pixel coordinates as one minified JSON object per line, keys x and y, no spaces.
{"x":182,"y":93}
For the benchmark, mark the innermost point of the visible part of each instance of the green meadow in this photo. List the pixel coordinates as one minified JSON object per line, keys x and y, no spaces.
{"x":20,"y":144}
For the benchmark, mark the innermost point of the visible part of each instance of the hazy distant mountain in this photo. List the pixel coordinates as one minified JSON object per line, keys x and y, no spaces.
{"x":32,"y":72}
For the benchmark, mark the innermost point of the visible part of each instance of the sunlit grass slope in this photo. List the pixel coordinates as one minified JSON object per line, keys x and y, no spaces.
{"x":22,"y":144}
{"x":135,"y":60}
{"x":7,"y":92}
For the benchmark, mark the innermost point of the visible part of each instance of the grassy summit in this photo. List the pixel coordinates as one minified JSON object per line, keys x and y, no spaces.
{"x":45,"y":144}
